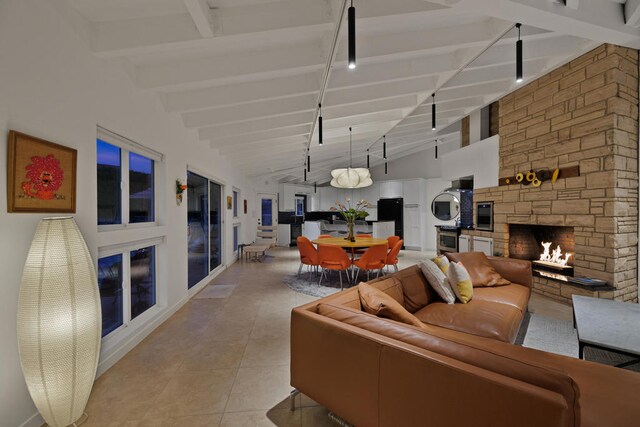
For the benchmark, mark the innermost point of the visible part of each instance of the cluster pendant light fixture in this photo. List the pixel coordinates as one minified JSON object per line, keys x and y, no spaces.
{"x":519,"y":72}
{"x":351,"y":177}
{"x":351,"y":15}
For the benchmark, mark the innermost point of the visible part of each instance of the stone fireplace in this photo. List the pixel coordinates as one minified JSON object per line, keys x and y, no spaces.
{"x":583,"y":115}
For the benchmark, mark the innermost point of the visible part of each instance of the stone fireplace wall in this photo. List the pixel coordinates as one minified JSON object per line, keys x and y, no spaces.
{"x":525,"y":241}
{"x":581,"y":114}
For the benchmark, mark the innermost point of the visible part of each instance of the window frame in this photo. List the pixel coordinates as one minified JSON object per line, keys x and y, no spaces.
{"x":125,"y":251}
{"x":127,"y":146}
{"x":235,"y":194}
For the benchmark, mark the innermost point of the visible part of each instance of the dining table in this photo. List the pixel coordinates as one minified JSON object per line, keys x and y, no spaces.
{"x":359,"y":243}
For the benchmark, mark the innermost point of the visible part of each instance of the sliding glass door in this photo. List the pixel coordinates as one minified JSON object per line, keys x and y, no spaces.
{"x":204,"y":200}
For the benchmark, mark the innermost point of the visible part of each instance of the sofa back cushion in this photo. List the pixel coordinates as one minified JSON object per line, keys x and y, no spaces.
{"x":480,"y":269}
{"x":481,"y":352}
{"x":381,"y":304}
{"x":416,"y":290}
{"x":392,"y":287}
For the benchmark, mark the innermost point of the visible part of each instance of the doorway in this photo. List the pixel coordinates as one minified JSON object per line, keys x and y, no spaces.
{"x":268,"y":215}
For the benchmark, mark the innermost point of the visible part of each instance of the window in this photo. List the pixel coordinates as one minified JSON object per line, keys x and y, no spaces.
{"x":127,"y":284}
{"x":126,"y":180}
{"x":236,"y":198}
{"x":204,"y":224}
{"x":236,"y":236}
{"x":300,"y":205}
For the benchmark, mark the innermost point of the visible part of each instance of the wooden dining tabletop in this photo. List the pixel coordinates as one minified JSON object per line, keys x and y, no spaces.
{"x":361,"y":242}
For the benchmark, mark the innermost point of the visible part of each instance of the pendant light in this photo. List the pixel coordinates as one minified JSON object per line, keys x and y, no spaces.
{"x":351,"y":177}
{"x":320,"y":124}
{"x":308,"y":163}
{"x":351,"y":15}
{"x":315,"y":187}
{"x":384,"y":147}
{"x":433,"y":111}
{"x":368,"y":164}
{"x":436,"y":148}
{"x":305,"y":175}
{"x":385,"y":168}
{"x":519,"y":72}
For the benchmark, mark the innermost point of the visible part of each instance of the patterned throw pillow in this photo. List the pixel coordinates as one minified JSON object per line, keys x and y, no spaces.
{"x":460,"y":282}
{"x":442,"y":262}
{"x":438,"y":281}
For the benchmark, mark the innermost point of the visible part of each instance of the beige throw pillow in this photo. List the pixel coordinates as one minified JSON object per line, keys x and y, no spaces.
{"x":377,"y":302}
{"x":438,"y":281}
{"x":460,"y":282}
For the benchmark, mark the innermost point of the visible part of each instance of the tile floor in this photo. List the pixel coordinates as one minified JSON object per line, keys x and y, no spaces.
{"x":223,"y":362}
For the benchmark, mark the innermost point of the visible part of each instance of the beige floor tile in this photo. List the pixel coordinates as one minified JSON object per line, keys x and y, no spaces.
{"x":266,"y":352}
{"x":209,"y":420}
{"x":316,"y":416}
{"x":273,"y":417}
{"x":205,"y":356}
{"x":259,"y":388}
{"x":194,"y":393}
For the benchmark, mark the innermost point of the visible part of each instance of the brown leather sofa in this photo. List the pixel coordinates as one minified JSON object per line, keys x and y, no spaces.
{"x":459,"y":369}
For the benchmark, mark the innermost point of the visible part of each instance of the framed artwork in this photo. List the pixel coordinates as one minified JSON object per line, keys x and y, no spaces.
{"x":41,"y":175}
{"x":245,"y":206}
{"x":229,"y":202}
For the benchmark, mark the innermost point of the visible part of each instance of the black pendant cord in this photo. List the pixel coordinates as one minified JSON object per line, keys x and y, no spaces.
{"x":519,"y":65}
{"x":350,"y":147}
{"x":433,"y":111}
{"x":320,"y":124}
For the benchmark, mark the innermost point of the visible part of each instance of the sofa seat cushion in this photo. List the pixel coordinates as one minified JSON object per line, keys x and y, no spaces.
{"x":480,"y":269}
{"x":481,"y":318}
{"x":514,"y":295}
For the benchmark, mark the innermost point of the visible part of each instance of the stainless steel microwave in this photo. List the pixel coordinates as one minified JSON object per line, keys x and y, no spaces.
{"x":484,"y":216}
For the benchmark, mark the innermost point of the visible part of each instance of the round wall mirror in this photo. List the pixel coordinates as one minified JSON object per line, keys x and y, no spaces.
{"x":445,"y":206}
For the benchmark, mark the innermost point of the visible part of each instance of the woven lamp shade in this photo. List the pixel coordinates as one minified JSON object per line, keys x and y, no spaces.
{"x":59,"y":321}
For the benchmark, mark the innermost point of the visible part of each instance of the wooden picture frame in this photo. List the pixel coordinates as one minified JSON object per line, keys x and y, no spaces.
{"x":41,"y":175}
{"x":245,"y":206}
{"x":229,"y":202}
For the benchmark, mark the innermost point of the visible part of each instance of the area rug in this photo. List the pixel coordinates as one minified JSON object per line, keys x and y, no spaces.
{"x":307,"y":284}
{"x":559,"y":336}
{"x":215,"y":291}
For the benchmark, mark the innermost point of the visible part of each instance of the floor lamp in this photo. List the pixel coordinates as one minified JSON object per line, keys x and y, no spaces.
{"x":59,"y":322}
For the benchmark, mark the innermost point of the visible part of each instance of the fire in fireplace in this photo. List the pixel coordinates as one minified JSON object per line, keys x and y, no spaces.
{"x":549,"y":248}
{"x":554,"y":257}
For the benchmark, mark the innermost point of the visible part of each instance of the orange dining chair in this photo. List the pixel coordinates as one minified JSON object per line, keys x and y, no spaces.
{"x":362,"y":236}
{"x":308,"y":254}
{"x":324,"y":236}
{"x":392,"y":240}
{"x":374,"y":258}
{"x":333,"y":258}
{"x":392,"y":256}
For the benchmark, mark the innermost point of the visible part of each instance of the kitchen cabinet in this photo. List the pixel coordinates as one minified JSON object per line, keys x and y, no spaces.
{"x":390,"y":189}
{"x":286,"y":197}
{"x":412,"y":234}
{"x":412,"y":192}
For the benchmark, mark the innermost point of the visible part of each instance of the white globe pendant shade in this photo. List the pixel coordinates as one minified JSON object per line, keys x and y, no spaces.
{"x":351,"y":178}
{"x":59,"y":321}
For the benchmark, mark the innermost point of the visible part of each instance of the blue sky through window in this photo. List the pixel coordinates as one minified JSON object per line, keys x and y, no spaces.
{"x":108,"y":154}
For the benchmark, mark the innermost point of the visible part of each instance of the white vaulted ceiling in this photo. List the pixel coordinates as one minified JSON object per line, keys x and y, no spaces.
{"x":247,"y":74}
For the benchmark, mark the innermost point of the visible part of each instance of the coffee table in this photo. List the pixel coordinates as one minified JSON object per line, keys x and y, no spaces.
{"x":607,"y":325}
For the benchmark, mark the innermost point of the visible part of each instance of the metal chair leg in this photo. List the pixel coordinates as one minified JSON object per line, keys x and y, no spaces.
{"x":340,"y":273}
{"x":321,"y":274}
{"x":292,"y":399}
{"x":395,"y":266}
{"x":299,"y":269}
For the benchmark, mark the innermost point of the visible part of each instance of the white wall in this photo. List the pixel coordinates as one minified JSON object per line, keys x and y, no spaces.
{"x":422,"y":164}
{"x":479,"y":159}
{"x":51,"y":86}
{"x":475,"y":125}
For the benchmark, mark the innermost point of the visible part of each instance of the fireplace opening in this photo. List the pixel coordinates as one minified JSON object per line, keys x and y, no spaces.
{"x":550,"y":248}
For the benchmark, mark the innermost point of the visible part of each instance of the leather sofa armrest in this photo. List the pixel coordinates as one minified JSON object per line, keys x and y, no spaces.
{"x":514,"y":270}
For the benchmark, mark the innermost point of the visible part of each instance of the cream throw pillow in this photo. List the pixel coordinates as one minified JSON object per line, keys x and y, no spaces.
{"x":438,"y":281}
{"x":460,"y":282}
{"x":442,"y":262}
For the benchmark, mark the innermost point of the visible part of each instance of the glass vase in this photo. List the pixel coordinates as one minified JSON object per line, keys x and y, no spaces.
{"x":350,"y":226}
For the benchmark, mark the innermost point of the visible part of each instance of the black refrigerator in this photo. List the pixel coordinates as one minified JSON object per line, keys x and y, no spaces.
{"x":392,"y":210}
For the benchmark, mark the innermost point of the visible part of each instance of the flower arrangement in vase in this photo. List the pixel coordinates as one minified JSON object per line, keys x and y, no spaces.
{"x":351,"y":214}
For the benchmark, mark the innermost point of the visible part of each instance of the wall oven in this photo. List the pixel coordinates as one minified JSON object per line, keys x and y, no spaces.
{"x":448,"y":241}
